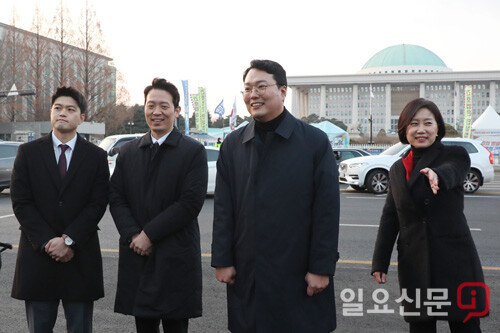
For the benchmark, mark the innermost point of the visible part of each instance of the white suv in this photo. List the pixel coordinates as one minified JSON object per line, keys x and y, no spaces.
{"x":111,"y":144}
{"x":372,"y":172}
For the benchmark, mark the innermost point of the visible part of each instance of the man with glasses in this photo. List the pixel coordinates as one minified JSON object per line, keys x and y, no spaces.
{"x":276,"y":215}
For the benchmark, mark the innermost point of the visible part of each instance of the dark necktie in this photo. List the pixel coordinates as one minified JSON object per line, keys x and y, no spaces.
{"x":154,"y":150}
{"x":63,"y":164}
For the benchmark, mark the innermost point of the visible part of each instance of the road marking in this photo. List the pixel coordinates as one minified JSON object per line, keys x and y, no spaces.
{"x":362,"y":262}
{"x":2,"y":217}
{"x":480,"y":195}
{"x":369,"y":198}
{"x":376,"y":226}
{"x":366,"y":262}
{"x":359,"y":225}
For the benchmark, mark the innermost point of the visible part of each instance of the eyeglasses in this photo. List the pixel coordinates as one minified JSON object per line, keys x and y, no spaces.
{"x":259,"y":90}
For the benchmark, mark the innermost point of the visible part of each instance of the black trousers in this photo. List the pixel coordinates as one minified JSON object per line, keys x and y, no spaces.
{"x":152,"y":325}
{"x":42,"y":316}
{"x":470,"y":326}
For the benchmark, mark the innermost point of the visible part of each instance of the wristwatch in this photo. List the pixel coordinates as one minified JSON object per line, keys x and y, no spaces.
{"x":68,"y":241}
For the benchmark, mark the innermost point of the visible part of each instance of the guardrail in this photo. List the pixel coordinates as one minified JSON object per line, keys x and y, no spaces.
{"x":372,"y":149}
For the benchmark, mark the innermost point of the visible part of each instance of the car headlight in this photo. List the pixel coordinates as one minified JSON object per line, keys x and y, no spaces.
{"x":355,"y":165}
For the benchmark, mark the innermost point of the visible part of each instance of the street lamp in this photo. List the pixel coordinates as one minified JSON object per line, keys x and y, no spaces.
{"x":130,"y":124}
{"x":371,"y":128}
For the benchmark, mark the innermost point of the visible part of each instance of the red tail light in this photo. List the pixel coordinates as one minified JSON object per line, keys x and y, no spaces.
{"x":492,"y":159}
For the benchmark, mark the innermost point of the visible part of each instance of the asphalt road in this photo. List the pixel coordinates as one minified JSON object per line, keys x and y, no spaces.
{"x":359,"y":218}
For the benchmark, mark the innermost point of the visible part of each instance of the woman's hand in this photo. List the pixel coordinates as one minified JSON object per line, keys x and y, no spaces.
{"x":433,"y":179}
{"x":380,"y":277}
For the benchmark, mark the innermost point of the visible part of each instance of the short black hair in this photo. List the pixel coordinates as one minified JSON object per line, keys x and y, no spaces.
{"x":73,"y":93}
{"x":409,"y":112}
{"x":271,"y":67}
{"x":163,"y":84}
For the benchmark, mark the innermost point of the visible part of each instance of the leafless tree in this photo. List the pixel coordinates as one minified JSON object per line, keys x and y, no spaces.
{"x":61,"y":31}
{"x":13,"y":69}
{"x":37,"y":48}
{"x":122,"y":94}
{"x":97,"y":79}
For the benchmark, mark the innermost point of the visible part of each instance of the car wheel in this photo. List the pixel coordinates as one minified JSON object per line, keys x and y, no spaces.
{"x":358,"y":188}
{"x":471,"y":182}
{"x":377,"y":181}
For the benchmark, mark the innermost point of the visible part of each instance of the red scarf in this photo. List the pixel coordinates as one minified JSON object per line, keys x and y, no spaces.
{"x":408,"y":163}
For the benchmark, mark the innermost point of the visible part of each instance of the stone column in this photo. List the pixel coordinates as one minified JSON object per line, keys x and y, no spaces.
{"x":306,"y":100}
{"x":295,"y":102}
{"x":422,"y":90}
{"x":304,"y":110}
{"x":493,"y":99}
{"x":388,"y":115}
{"x":301,"y":103}
{"x":322,"y":102}
{"x":355,"y":110}
{"x":456,"y":104}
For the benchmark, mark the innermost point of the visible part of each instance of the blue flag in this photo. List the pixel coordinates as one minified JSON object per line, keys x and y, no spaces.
{"x":220,"y":109}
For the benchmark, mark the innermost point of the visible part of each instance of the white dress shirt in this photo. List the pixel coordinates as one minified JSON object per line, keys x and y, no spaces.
{"x":57,"y":150}
{"x":160,"y":140}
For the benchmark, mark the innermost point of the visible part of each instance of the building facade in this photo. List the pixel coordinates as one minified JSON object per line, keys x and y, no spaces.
{"x":396,"y":75}
{"x":32,"y":64}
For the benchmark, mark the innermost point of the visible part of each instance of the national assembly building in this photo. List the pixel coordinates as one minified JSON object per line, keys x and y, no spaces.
{"x":396,"y":75}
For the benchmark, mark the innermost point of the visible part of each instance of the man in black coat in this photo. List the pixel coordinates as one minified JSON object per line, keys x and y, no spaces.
{"x":276,"y":215}
{"x":59,"y":193}
{"x":157,"y":191}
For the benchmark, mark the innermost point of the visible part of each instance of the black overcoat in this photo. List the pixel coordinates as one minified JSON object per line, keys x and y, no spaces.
{"x":276,"y":217}
{"x":163,"y":197}
{"x":47,"y":207}
{"x":435,"y":246}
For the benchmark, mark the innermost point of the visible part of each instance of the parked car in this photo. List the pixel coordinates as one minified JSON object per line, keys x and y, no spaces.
{"x":112,"y":144}
{"x":212,"y":156}
{"x":372,"y":172}
{"x":8,"y":152}
{"x":342,"y":154}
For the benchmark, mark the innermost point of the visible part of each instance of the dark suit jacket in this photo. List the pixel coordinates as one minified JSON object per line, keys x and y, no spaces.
{"x":163,"y":197}
{"x":47,"y":207}
{"x":435,"y":246}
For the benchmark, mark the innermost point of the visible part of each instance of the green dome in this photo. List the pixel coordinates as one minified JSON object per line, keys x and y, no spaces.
{"x":404,"y":55}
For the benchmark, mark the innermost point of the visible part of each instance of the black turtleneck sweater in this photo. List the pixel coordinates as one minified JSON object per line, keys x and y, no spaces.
{"x":418,"y":153}
{"x":262,"y":128}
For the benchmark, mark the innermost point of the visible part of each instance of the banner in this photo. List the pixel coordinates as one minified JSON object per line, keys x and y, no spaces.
{"x":186,"y":106}
{"x":233,"y":117}
{"x":467,"y":112}
{"x":220,"y":109}
{"x":199,"y":102}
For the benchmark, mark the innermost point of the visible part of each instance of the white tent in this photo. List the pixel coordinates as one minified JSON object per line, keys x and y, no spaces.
{"x":487,"y":129}
{"x":489,"y":121}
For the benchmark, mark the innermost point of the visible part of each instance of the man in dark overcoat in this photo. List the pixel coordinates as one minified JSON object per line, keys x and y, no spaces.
{"x":157,"y":191}
{"x":59,"y":192}
{"x":276,"y":215}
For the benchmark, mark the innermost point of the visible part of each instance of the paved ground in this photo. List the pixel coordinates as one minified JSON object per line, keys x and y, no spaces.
{"x":353,"y":271}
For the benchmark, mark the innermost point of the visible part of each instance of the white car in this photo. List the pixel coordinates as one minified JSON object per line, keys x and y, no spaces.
{"x":112,"y":144}
{"x":212,"y":156}
{"x":372,"y":172}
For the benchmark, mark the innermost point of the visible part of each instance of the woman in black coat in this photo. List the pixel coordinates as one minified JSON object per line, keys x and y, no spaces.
{"x":424,"y":211}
